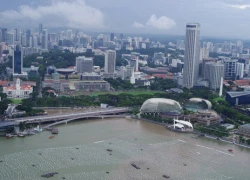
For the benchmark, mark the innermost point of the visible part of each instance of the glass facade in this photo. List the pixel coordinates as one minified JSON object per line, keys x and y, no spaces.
{"x":17,"y":64}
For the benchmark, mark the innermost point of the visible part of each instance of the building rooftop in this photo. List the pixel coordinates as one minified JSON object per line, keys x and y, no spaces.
{"x":234,"y":94}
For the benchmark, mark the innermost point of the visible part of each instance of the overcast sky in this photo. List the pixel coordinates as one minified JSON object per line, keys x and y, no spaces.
{"x":219,"y":18}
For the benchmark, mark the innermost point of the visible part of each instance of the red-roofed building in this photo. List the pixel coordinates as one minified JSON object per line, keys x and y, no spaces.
{"x":18,"y":90}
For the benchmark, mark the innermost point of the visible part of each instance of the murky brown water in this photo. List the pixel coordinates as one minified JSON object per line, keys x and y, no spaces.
{"x":79,"y":152}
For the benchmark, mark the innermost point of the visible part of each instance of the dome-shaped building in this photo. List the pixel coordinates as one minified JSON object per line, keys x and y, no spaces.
{"x":161,"y":106}
{"x":196,"y":104}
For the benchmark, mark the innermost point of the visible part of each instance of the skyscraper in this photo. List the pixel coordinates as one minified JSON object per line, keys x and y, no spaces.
{"x":84,"y":64}
{"x":45,"y":39}
{"x":230,"y":68}
{"x":110,"y":60}
{"x":18,"y":60}
{"x":192,"y":55}
{"x":214,"y":72}
{"x":40,"y":28}
{"x":112,"y":36}
{"x":4,"y":34}
{"x":239,"y":70}
{"x":28,"y":35}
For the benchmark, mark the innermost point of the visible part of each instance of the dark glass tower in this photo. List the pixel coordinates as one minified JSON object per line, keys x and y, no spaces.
{"x":18,"y":60}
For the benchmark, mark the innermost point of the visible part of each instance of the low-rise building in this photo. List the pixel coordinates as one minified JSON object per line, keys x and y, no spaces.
{"x":18,"y":90}
{"x":244,"y":130}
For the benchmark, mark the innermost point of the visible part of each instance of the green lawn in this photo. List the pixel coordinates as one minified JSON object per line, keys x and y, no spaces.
{"x":126,"y":92}
{"x":219,"y":98}
{"x":16,"y":101}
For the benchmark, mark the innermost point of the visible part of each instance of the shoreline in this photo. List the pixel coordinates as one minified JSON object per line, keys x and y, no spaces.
{"x":195,"y":132}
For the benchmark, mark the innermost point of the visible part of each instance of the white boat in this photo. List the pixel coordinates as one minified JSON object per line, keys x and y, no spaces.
{"x":21,"y":134}
{"x":9,"y":135}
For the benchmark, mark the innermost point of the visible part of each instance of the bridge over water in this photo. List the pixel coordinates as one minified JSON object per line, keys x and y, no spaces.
{"x":73,"y":116}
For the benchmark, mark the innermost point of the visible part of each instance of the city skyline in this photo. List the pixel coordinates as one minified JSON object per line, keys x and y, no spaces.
{"x":108,"y":17}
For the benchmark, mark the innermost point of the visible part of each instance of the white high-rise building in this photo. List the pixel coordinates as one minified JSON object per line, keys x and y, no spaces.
{"x":45,"y":39}
{"x":239,"y":70}
{"x":110,"y":60}
{"x":192,"y":55}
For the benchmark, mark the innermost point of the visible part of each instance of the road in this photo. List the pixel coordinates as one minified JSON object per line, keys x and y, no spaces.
{"x":70,"y":116}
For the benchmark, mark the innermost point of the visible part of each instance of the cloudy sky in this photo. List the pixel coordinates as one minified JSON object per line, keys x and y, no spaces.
{"x":219,"y":18}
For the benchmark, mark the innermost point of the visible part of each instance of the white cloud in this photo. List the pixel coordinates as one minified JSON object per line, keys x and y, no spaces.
{"x":238,"y":6}
{"x":58,"y":13}
{"x":161,"y":23}
{"x":138,"y":25}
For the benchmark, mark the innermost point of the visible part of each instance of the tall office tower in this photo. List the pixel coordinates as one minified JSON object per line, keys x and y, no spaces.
{"x":10,"y":39}
{"x":239,"y":70}
{"x":110,"y":60}
{"x":216,"y":73}
{"x":16,"y":35}
{"x":40,"y":28}
{"x":18,"y":60}
{"x":52,"y":37}
{"x":69,"y":34}
{"x":1,"y":50}
{"x":4,"y":34}
{"x":112,"y":36}
{"x":239,"y":45}
{"x":84,"y":64}
{"x":23,"y":40}
{"x":204,"y":61}
{"x":34,"y":41}
{"x":191,"y":57}
{"x":121,"y":36}
{"x":28,"y":35}
{"x":45,"y":39}
{"x":230,"y":69}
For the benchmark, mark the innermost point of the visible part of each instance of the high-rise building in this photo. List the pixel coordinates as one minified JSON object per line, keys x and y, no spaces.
{"x":204,"y":61}
{"x":10,"y":39}
{"x":239,"y":70}
{"x":84,"y":64}
{"x":69,"y":34}
{"x":191,"y":57}
{"x":45,"y":39}
{"x":110,"y":60}
{"x":230,"y":69}
{"x":4,"y":34}
{"x":121,"y":36}
{"x":214,"y":72}
{"x":40,"y":28}
{"x":112,"y":36}
{"x":34,"y":41}
{"x":23,"y":40}
{"x":28,"y":35}
{"x":18,"y":60}
{"x":204,"y":53}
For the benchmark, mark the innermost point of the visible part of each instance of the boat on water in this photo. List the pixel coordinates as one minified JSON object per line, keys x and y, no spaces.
{"x":230,"y":150}
{"x":8,"y":135}
{"x":51,"y":137}
{"x":54,"y":131}
{"x":21,"y":134}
